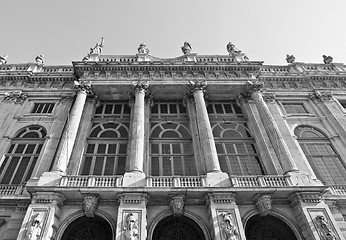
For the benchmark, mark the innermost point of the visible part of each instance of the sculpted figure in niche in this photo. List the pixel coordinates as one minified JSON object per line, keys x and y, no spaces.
{"x":34,"y":230}
{"x":131,"y":227}
{"x":229,"y":229}
{"x":98,"y":48}
{"x":186,"y":48}
{"x":324,"y":228}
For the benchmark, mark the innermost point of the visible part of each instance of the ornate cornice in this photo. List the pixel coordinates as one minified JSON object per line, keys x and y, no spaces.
{"x":48,"y":197}
{"x":220,"y":198}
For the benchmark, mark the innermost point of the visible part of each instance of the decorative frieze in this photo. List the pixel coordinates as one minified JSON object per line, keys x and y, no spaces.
{"x":177,"y":204}
{"x":18,"y":97}
{"x":221,"y":198}
{"x":48,"y":198}
{"x":133,"y":198}
{"x":90,"y":204}
{"x":321,"y":95}
{"x":263,"y":204}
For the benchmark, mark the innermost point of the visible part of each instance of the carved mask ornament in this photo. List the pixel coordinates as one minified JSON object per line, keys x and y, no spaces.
{"x":177,"y":204}
{"x":263,"y":204}
{"x":90,"y":204}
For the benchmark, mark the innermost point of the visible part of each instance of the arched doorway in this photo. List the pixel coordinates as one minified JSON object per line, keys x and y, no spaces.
{"x":86,"y":228}
{"x":177,"y":228}
{"x":268,"y":228}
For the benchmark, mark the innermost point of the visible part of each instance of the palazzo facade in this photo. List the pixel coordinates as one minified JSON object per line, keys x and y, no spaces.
{"x":136,"y":147}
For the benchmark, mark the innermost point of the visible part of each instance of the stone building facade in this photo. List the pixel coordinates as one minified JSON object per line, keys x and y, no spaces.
{"x":194,"y":147}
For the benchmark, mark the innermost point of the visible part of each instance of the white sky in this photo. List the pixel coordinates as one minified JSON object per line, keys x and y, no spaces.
{"x":266,"y":30}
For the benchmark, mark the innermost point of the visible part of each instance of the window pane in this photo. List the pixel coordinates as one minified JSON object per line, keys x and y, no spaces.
{"x":108,"y":109}
{"x":21,"y":170}
{"x":30,"y":148}
{"x":163,"y":108}
{"x":98,"y":166}
{"x":228,"y":108}
{"x":112,"y":148}
{"x":32,"y":165}
{"x":121,"y":165}
{"x":10,"y":170}
{"x":167,"y":167}
{"x":190,"y":166}
{"x":20,"y":148}
{"x":90,"y":148}
{"x":101,"y":148}
{"x":87,"y":164}
{"x":173,"y":108}
{"x":155,"y":166}
{"x":218,"y":108}
{"x":117,"y":109}
{"x":109,"y":166}
{"x":123,"y":148}
{"x":154,"y":148}
{"x":178,"y":166}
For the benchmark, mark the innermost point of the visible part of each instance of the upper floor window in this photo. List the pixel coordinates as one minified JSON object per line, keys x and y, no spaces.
{"x":294,"y":108}
{"x":236,"y":149}
{"x":164,"y":109}
{"x":323,"y":158}
{"x":109,"y":109}
{"x":20,"y":160}
{"x":42,"y":108}
{"x":171,"y":150}
{"x":224,"y":108}
{"x":106,"y":150}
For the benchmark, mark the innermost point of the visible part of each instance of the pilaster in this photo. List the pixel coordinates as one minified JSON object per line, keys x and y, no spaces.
{"x":42,"y":216}
{"x":314,"y":217}
{"x":132,"y":217}
{"x":225,"y":220}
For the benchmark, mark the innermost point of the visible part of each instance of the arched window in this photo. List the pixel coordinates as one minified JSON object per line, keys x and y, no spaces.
{"x":22,"y":156}
{"x":323,"y":158}
{"x":171,"y":150}
{"x":236,"y":149}
{"x":106,"y":150}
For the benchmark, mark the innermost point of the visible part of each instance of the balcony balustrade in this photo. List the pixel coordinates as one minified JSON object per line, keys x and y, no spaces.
{"x":11,"y":189}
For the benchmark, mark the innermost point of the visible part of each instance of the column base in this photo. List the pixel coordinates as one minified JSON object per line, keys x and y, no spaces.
{"x":302,"y":179}
{"x":50,"y":179}
{"x":217,"y":179}
{"x":134,"y":179}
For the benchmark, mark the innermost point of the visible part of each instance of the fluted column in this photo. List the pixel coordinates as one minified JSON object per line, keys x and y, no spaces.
{"x":140,"y":89}
{"x":70,"y":132}
{"x":204,"y":128}
{"x":252,"y":90}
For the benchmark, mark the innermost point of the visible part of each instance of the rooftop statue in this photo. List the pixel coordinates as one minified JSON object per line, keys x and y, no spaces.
{"x":235,"y":53}
{"x":143,"y":48}
{"x":39,"y":59}
{"x":290,"y":58}
{"x":186,"y":48}
{"x":3,"y":59}
{"x":327,"y":59}
{"x":98,"y":48}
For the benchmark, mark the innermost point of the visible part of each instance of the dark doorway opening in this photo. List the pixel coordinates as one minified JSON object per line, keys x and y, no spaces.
{"x":86,"y":228}
{"x":268,"y":228}
{"x":177,"y":228}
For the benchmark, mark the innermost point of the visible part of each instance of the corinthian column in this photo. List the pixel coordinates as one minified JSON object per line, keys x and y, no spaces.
{"x":135,"y":176}
{"x":252,"y":90}
{"x":204,"y":128}
{"x":70,"y":132}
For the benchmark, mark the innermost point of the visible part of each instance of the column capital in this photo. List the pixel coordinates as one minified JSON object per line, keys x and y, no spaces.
{"x":83,"y":86}
{"x":140,"y":86}
{"x":251,"y":87}
{"x":321,"y":96}
{"x":305,"y":197}
{"x":195,"y":86}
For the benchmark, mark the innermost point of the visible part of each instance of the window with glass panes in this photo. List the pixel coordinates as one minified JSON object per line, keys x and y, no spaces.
{"x":106,"y":150}
{"x":294,"y":108}
{"x":171,"y":151}
{"x":323,"y":158}
{"x":109,"y":109}
{"x":42,"y":108}
{"x":21,"y":158}
{"x":236,"y":149}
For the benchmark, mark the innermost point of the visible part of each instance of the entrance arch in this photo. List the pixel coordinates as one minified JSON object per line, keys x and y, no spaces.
{"x":268,"y":228}
{"x":177,"y":228}
{"x":88,"y":228}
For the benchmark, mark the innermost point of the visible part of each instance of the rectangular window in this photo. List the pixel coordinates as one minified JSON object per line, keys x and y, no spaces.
{"x":109,"y":109}
{"x":294,"y":108}
{"x":43,"y":108}
{"x":164,"y":109}
{"x":225,"y":108}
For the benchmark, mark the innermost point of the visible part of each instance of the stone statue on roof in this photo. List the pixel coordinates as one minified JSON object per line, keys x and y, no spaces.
{"x":3,"y":59}
{"x":290,"y":58}
{"x":327,"y":59}
{"x":40,"y":59}
{"x":235,"y":53}
{"x":186,"y":48}
{"x":143,"y":48}
{"x":98,"y":48}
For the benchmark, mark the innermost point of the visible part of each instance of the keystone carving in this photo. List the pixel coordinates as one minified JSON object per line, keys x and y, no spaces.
{"x":228,"y":226}
{"x":186,"y":48}
{"x":90,"y":204}
{"x":18,"y":97}
{"x":263,"y":204}
{"x":3,"y":59}
{"x":177,"y":204}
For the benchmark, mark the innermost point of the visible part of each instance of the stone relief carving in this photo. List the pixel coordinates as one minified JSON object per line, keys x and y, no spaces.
{"x":323,"y":228}
{"x":143,"y":48}
{"x":39,"y":59}
{"x":186,"y":48}
{"x":90,"y":204}
{"x":3,"y":59}
{"x":33,"y":231}
{"x":320,"y":96}
{"x":131,"y":227}
{"x":18,"y":97}
{"x":177,"y":204}
{"x":235,"y":53}
{"x":327,"y":59}
{"x":269,"y":97}
{"x":228,"y":226}
{"x":290,"y":58}
{"x":263,"y":204}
